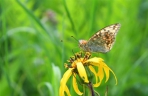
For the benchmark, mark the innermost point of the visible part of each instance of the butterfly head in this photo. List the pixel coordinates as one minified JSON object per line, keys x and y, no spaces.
{"x":82,"y":44}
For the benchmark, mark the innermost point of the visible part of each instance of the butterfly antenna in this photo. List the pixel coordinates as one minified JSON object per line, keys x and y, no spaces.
{"x":75,"y":38}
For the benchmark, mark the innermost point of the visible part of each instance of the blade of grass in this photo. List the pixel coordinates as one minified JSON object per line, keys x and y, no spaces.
{"x":135,"y":65}
{"x":92,"y":15}
{"x":69,"y":17}
{"x":32,"y":15}
{"x":4,"y":49}
{"x":36,"y":19}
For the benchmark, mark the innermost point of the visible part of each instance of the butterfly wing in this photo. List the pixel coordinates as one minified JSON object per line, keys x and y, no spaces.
{"x":104,"y":39}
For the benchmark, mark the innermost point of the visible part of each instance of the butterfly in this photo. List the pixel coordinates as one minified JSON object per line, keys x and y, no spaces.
{"x":102,"y":41}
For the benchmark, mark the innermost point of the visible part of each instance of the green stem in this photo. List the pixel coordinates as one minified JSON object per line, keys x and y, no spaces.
{"x":91,"y":89}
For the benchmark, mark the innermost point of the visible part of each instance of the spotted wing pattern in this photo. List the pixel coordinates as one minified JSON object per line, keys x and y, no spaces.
{"x":103,"y":40}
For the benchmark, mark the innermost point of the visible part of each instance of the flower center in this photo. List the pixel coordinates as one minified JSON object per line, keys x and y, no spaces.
{"x":77,"y":58}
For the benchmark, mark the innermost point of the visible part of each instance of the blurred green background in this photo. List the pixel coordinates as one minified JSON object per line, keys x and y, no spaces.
{"x":32,"y":55}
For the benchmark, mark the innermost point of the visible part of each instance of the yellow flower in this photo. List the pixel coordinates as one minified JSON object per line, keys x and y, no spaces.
{"x":77,"y":68}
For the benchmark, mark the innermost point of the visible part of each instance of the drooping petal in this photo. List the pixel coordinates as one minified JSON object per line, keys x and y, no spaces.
{"x":66,"y":76}
{"x":67,"y":91}
{"x":64,"y":79}
{"x":82,"y":72}
{"x":97,"y":83}
{"x":106,"y":70}
{"x":94,"y":61}
{"x":100,"y":73}
{"x":61,"y":91}
{"x":114,"y":76}
{"x":75,"y":86}
{"x":94,"y":72}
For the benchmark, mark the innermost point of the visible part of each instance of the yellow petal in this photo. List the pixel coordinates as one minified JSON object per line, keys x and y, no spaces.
{"x":66,"y":76}
{"x":114,"y":76}
{"x":64,"y":79}
{"x":94,"y":72}
{"x":67,"y":91}
{"x":97,"y":84}
{"x":75,"y":86}
{"x":94,"y":61}
{"x":106,"y":70}
{"x":82,"y":72}
{"x":61,"y":92}
{"x":100,"y":72}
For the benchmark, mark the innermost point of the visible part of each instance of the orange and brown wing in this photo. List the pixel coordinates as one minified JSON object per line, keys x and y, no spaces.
{"x":104,"y":39}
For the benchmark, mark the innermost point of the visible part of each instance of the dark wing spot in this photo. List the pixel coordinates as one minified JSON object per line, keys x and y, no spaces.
{"x":108,"y":38}
{"x":114,"y":27}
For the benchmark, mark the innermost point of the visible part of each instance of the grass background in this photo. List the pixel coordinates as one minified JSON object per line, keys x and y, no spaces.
{"x":32,"y":55}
